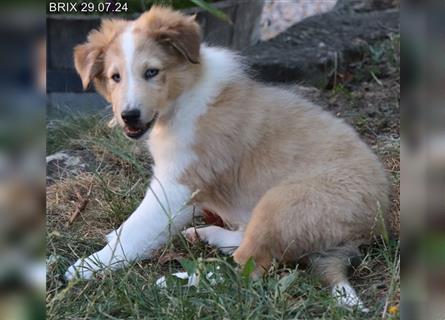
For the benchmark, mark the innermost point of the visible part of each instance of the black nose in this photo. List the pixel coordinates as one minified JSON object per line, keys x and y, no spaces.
{"x":131,"y":116}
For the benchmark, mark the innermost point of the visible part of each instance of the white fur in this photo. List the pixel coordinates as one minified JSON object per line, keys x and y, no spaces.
{"x":225,"y":240}
{"x":162,"y":212}
{"x":346,"y":296}
{"x":164,"y":142}
{"x":128,"y":48}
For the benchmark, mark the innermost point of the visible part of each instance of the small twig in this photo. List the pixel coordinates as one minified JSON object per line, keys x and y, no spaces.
{"x":81,"y":205}
{"x":79,"y":208}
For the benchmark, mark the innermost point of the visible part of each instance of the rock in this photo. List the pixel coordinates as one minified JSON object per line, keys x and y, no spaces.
{"x":62,"y":164}
{"x":365,"y":5}
{"x":310,"y":50}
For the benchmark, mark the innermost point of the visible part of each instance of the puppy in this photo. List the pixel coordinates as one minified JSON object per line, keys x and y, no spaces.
{"x":289,"y":180}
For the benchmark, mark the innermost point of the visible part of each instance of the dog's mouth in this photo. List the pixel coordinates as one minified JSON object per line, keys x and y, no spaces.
{"x":138,"y":130}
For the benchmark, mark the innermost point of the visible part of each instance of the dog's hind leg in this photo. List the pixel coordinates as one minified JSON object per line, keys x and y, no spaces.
{"x":293,"y":220}
{"x":332,"y":267}
{"x":225,"y":240}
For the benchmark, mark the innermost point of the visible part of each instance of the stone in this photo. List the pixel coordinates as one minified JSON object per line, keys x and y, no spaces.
{"x":297,"y":56}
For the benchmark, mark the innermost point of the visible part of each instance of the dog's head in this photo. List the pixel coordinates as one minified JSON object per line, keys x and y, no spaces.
{"x":141,"y":66}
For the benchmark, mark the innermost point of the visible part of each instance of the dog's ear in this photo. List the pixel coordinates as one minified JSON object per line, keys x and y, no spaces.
{"x":89,"y":56}
{"x":185,"y":38}
{"x":88,"y":61}
{"x":174,"y":29}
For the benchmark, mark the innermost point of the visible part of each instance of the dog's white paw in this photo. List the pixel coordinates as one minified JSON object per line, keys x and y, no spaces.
{"x":82,"y":269}
{"x":111,"y":257}
{"x":346,"y":297}
{"x":192,"y":235}
{"x":225,"y":240}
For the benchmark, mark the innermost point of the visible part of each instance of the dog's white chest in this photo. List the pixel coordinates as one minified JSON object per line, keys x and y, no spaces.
{"x":171,"y":151}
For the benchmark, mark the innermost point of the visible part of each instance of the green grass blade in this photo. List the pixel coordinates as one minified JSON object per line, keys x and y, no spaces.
{"x":213,"y":10}
{"x":189,"y":266}
{"x":249,"y":267}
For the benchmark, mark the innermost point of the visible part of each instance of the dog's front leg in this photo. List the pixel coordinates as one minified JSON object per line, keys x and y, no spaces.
{"x":161,"y":214}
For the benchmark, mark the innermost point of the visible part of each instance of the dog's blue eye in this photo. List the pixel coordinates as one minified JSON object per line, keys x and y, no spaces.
{"x":150,"y":73}
{"x":116,"y":77}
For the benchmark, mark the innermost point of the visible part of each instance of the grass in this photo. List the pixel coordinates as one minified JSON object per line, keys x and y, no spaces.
{"x":117,"y":182}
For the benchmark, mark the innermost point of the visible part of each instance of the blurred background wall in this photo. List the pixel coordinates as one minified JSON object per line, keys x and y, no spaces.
{"x":22,"y":170}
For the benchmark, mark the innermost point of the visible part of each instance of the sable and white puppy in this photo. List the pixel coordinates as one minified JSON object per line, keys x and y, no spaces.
{"x":290,"y":180}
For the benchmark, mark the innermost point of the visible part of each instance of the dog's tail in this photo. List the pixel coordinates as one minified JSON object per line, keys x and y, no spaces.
{"x":332,"y":266}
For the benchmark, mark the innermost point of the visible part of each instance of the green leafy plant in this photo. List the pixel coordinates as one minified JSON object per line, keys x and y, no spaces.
{"x":212,"y":9}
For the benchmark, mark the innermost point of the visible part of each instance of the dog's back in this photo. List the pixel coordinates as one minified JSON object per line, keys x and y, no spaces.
{"x":254,"y":137}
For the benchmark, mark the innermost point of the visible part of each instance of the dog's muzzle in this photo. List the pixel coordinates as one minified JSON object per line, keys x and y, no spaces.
{"x":135,"y":131}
